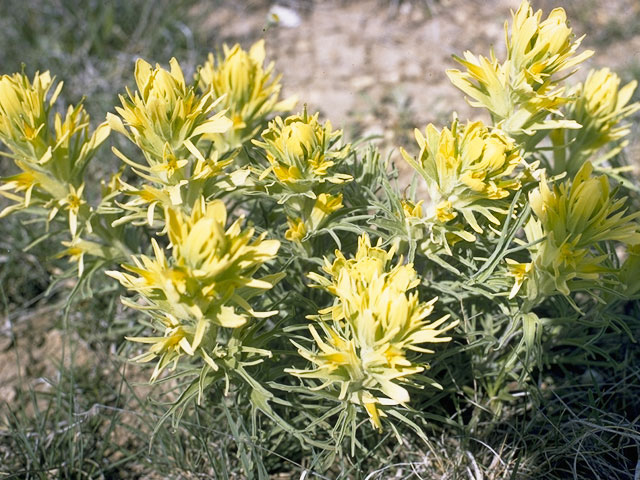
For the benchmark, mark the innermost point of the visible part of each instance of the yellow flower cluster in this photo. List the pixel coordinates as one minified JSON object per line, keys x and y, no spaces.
{"x":194,"y":292}
{"x":600,"y":106}
{"x":571,"y":221}
{"x":303,"y":153}
{"x":412,"y":209}
{"x":366,"y":336}
{"x":469,"y":170}
{"x":166,"y":119}
{"x":165,"y":116}
{"x":24,"y":113}
{"x":249,"y":92}
{"x":52,"y":153}
{"x":523,"y":90}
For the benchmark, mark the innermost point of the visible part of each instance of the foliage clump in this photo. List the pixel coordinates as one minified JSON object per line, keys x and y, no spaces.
{"x":241,"y":236}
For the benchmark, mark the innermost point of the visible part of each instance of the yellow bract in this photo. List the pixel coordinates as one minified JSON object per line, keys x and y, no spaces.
{"x":523,"y":90}
{"x":540,"y":48}
{"x":250,"y":92}
{"x":469,"y":170}
{"x":600,"y":106}
{"x":24,"y":112}
{"x":366,"y":337}
{"x":570,"y":222}
{"x":296,"y":231}
{"x":303,"y":152}
{"x":52,"y":152}
{"x":165,"y":114}
{"x":195,"y":291}
{"x":324,"y":205}
{"x":169,"y":121}
{"x":411,"y":209}
{"x":602,"y":99}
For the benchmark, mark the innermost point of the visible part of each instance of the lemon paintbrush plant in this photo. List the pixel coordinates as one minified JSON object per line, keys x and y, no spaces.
{"x":365,"y":341}
{"x":167,"y":120}
{"x":51,"y":150}
{"x":522,"y":91}
{"x":249,"y":92}
{"x":194,"y":292}
{"x":601,"y":105}
{"x":471,"y":172}
{"x":305,"y":171}
{"x":221,"y":224}
{"x":570,"y":224}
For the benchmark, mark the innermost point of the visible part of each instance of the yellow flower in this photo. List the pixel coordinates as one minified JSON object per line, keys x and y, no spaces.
{"x":600,"y":106}
{"x":540,"y":48}
{"x":469,"y":170}
{"x":412,"y":210}
{"x":366,"y":338}
{"x":523,"y":90}
{"x":445,"y":212}
{"x":24,"y":112}
{"x":22,"y":182}
{"x":72,"y":203}
{"x":52,"y":153}
{"x":311,"y":216}
{"x":520,"y":272}
{"x":602,"y":98}
{"x":146,"y":198}
{"x":250,"y":91}
{"x":571,"y":222}
{"x":73,"y":147}
{"x":177,"y":340}
{"x":302,"y":152}
{"x":197,"y":288}
{"x":165,"y":117}
{"x":170,"y":122}
{"x":296,"y":231}
{"x":78,"y":248}
{"x":170,"y":168}
{"x":210,"y":167}
{"x":324,"y":206}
